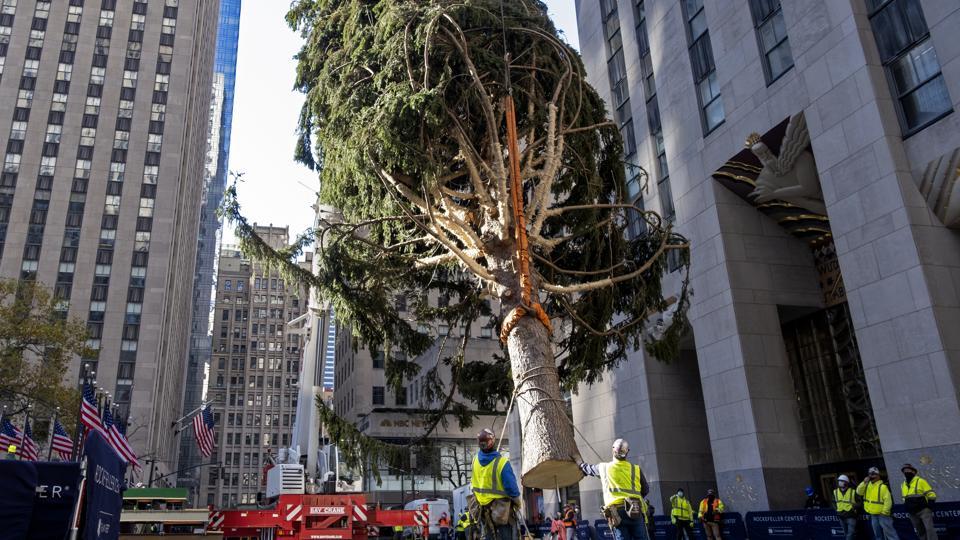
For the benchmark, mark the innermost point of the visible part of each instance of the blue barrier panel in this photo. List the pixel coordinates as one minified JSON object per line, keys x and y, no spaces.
{"x":825,"y":525}
{"x":540,"y":531}
{"x":777,"y":525}
{"x":18,"y":484}
{"x":603,"y":530}
{"x":732,"y":527}
{"x":583,"y":531}
{"x":54,"y":499}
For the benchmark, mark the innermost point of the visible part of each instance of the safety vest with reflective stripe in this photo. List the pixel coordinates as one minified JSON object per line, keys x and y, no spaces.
{"x":876,"y":498}
{"x":844,"y":501}
{"x":917,"y":488}
{"x":680,"y":508}
{"x":486,"y":480}
{"x":620,"y":480}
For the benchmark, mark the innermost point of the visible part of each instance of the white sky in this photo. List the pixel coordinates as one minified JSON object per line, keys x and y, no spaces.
{"x":275,"y":189}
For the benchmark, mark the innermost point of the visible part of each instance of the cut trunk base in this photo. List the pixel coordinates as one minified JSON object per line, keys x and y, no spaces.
{"x":549,"y":449}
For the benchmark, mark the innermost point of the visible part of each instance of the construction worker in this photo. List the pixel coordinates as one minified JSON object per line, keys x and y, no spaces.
{"x":444,"y":524}
{"x":878,"y":503}
{"x":570,"y":523}
{"x":397,"y":532}
{"x":711,"y":513}
{"x":918,"y":497}
{"x":495,"y":489}
{"x":681,"y":515}
{"x":845,"y":502}
{"x":813,"y":502}
{"x":624,"y":488}
{"x":461,"y":528}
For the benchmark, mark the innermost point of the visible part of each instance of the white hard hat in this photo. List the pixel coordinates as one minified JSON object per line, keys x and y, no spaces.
{"x":843,"y":478}
{"x":621,"y":448}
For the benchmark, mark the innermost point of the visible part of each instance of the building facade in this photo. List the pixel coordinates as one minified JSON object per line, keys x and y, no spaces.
{"x":362,"y":396}
{"x":825,"y":254}
{"x":254,"y":372}
{"x":107,"y":106}
{"x":208,"y":237}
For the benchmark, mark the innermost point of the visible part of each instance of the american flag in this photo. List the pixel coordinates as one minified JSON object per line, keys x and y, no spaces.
{"x":119,"y":443}
{"x":89,"y":414}
{"x":8,"y":435}
{"x":30,"y":450}
{"x":61,"y":442}
{"x":203,"y":430}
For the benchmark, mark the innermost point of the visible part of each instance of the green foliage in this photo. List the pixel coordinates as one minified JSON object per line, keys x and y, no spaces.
{"x":36,"y":347}
{"x":404,"y":119}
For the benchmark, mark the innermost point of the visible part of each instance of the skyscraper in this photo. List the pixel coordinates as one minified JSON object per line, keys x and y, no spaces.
{"x":218,"y":154}
{"x":254,"y":373}
{"x":108,"y":105}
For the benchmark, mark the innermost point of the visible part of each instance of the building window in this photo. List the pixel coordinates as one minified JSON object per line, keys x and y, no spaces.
{"x":401,"y":397}
{"x":701,"y":61}
{"x":378,"y":395}
{"x":378,"y":360}
{"x":772,"y":35}
{"x":913,"y":70}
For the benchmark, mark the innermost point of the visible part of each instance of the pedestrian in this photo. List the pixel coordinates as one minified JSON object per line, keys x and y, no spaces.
{"x":570,"y":522}
{"x":681,"y":515}
{"x":878,"y":503}
{"x":557,"y":530}
{"x":845,"y":502}
{"x":651,"y":527}
{"x":918,"y":497}
{"x":711,"y":513}
{"x":814,"y":502}
{"x":496,"y":490}
{"x":624,"y":488}
{"x":444,"y":524}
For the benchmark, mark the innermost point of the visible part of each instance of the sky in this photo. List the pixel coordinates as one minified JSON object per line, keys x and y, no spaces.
{"x":276,"y":190}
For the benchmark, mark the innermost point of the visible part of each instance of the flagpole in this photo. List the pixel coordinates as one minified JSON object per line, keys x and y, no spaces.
{"x":176,"y":423}
{"x":23,"y":432}
{"x":56,"y":416}
{"x":79,"y":432}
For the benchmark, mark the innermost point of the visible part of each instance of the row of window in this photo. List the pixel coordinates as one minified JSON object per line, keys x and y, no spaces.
{"x":271,"y":363}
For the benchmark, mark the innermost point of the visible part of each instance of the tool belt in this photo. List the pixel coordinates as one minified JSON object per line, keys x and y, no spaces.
{"x":612,"y":514}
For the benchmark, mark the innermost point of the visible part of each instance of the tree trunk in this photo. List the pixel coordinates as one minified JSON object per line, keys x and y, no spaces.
{"x":549,"y":449}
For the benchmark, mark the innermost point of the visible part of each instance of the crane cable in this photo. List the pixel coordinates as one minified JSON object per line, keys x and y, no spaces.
{"x":529,"y":305}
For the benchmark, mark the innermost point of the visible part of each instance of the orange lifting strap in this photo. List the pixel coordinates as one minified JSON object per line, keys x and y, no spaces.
{"x":528,"y":301}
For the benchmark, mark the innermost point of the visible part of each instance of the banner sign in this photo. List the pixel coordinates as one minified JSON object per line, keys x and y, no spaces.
{"x":104,"y":498}
{"x":18,"y":482}
{"x":54,"y":499}
{"x":825,"y":525}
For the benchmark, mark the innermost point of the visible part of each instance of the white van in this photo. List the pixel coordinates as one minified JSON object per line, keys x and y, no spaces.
{"x":435,"y":508}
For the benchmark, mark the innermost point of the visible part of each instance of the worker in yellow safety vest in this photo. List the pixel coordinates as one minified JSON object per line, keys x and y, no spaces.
{"x":681,"y":515}
{"x":878,"y":503}
{"x":495,"y":490}
{"x":624,"y":488}
{"x":918,"y":497}
{"x":845,"y":502}
{"x":461,"y":528}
